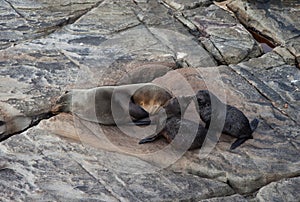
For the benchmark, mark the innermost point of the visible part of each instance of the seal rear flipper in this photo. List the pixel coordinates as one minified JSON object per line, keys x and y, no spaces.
{"x":254,"y":124}
{"x":238,"y":142}
{"x":148,"y":139}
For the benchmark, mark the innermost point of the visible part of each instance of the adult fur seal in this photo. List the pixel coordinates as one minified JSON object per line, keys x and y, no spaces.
{"x":151,"y":98}
{"x":236,"y":123}
{"x":110,"y":105}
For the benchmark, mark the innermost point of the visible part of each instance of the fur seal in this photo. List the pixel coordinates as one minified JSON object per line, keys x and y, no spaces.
{"x":168,"y":126}
{"x":110,"y":105}
{"x":236,"y":123}
{"x":151,"y":98}
{"x":171,"y":129}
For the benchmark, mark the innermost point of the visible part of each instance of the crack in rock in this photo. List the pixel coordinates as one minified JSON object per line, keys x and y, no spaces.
{"x":18,"y":124}
{"x":69,"y":20}
{"x":16,"y":10}
{"x":269,"y":93}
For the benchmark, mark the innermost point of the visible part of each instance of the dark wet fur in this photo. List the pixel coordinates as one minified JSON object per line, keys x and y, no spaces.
{"x":171,"y":129}
{"x":138,"y":115}
{"x":236,"y":123}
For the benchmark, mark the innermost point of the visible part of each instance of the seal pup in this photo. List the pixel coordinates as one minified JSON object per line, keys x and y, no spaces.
{"x":171,"y":129}
{"x":174,"y":107}
{"x":111,"y":105}
{"x":236,"y":123}
{"x":169,"y":124}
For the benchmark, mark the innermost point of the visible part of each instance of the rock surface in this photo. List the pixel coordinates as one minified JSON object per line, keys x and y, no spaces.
{"x":50,"y":47}
{"x":276,"y":191}
{"x":276,"y":20}
{"x":222,"y":35}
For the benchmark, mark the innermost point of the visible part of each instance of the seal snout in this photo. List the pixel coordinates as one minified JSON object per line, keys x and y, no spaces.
{"x":203,"y":97}
{"x":63,"y":103}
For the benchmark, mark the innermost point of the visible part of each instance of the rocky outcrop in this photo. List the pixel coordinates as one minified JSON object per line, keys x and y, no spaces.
{"x":48,"y":48}
{"x":222,"y":35}
{"x":275,"y":20}
{"x":282,"y":190}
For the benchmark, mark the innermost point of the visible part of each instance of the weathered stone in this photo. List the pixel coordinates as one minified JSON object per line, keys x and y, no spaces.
{"x":37,"y":166}
{"x":186,"y":4}
{"x":233,"y":198}
{"x":283,"y":190}
{"x":222,"y":35}
{"x":276,"y":20}
{"x":25,"y":20}
{"x":30,"y":80}
{"x":274,"y":79}
{"x":175,"y":37}
{"x":195,"y":55}
{"x":50,"y":47}
{"x":287,"y":56}
{"x":279,"y":23}
{"x":293,"y":47}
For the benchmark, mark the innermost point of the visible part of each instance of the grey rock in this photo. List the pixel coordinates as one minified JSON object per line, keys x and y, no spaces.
{"x":50,"y":47}
{"x":275,"y":79}
{"x":176,"y":38}
{"x":188,"y":4}
{"x":278,"y":22}
{"x":30,"y":81}
{"x":58,"y":170}
{"x":283,"y":190}
{"x":293,"y":47}
{"x":233,"y":198}
{"x":288,"y":57}
{"x":21,"y":21}
{"x":222,"y":35}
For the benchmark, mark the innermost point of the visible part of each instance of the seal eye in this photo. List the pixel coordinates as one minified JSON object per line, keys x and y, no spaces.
{"x":207,"y":105}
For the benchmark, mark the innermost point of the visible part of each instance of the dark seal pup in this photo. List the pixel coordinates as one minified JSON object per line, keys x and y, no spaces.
{"x":168,"y":126}
{"x":236,"y":123}
{"x":171,"y":130}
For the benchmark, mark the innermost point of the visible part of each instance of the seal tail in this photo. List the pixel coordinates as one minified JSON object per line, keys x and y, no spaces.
{"x":254,"y":124}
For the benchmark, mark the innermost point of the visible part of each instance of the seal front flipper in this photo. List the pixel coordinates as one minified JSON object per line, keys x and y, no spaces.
{"x":142,"y":122}
{"x":148,"y":139}
{"x":238,"y":142}
{"x":136,"y":111}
